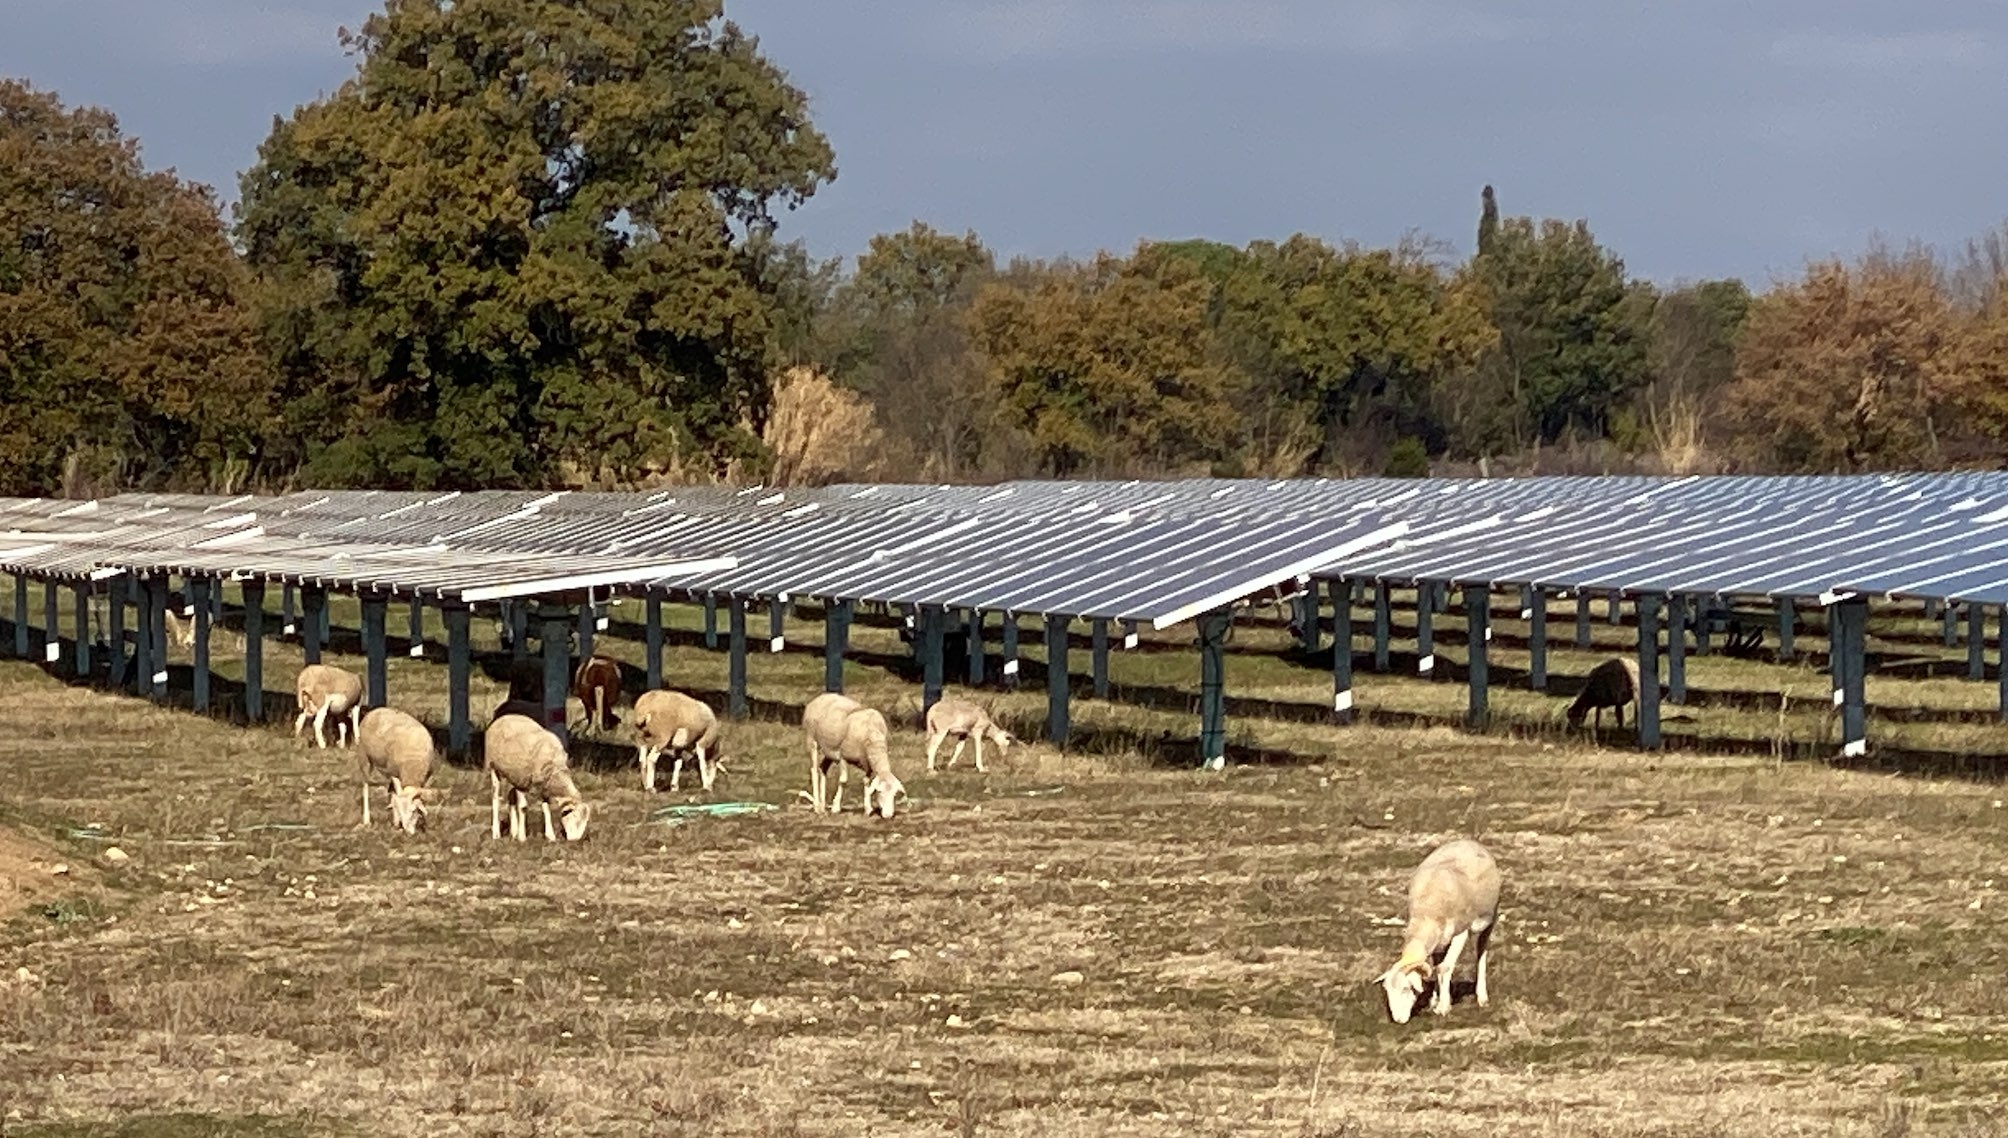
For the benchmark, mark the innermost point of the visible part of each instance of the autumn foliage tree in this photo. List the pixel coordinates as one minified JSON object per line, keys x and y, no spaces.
{"x":1852,"y":367}
{"x":126,"y":352}
{"x":529,"y":241}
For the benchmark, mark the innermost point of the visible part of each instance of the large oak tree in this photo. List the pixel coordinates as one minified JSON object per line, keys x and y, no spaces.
{"x":530,"y":241}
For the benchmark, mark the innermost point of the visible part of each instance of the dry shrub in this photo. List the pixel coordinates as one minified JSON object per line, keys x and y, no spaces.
{"x":820,"y":433}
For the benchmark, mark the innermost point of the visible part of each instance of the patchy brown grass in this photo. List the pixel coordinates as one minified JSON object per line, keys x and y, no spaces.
{"x":1692,"y":944}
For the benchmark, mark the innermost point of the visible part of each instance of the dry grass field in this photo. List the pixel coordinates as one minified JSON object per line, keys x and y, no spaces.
{"x":1739,"y":940}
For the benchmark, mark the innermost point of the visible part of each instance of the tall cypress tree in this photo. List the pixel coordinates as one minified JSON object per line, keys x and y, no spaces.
{"x":1488,"y":223}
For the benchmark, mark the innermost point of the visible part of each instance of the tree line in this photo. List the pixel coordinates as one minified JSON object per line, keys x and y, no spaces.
{"x":534,"y":243}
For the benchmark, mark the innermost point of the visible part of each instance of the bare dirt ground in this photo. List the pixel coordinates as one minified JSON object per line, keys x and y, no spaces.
{"x":1087,"y":943}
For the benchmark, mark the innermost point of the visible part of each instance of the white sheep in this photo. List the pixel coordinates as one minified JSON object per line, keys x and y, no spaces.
{"x":1453,"y":896}
{"x":1613,"y":683}
{"x":399,"y":747}
{"x":843,"y":732}
{"x":524,"y":756}
{"x":323,"y":689}
{"x":673,"y":721}
{"x":965,"y":721}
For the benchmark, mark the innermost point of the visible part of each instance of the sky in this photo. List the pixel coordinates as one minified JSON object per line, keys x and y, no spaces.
{"x":1703,"y":138}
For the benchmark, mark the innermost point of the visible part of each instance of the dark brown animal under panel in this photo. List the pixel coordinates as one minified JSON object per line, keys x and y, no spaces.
{"x":597,"y":684}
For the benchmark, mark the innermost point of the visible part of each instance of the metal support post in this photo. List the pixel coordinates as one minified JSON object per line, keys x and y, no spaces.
{"x":1212,"y":688}
{"x":1342,"y":651}
{"x":1478,"y":616}
{"x":736,"y":705}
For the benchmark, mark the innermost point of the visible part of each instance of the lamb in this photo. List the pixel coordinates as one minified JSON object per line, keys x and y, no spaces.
{"x":841,"y":731}
{"x":392,"y":743}
{"x":1613,"y":683}
{"x":597,"y":684}
{"x":1453,"y":897}
{"x":322,"y":689}
{"x":673,"y":721}
{"x":521,"y":755}
{"x":964,"y":720}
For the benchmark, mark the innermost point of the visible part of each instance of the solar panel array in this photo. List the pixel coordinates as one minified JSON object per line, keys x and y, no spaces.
{"x":1160,"y":552}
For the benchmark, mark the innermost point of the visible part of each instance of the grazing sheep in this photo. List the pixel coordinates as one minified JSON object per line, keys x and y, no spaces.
{"x":521,"y":755}
{"x":1613,"y":683}
{"x":965,"y":721}
{"x":323,"y":689}
{"x":1453,"y":896}
{"x":843,"y":732}
{"x":392,"y":743}
{"x":597,"y":684}
{"x":673,"y":721}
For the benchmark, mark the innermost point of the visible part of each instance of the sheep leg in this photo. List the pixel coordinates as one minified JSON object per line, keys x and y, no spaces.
{"x":815,"y":777}
{"x":300,"y":721}
{"x":707,"y":771}
{"x":1440,"y":1001}
{"x":599,"y":708}
{"x":675,"y":772}
{"x":495,"y":806}
{"x":366,"y":804}
{"x":647,"y":762}
{"x":843,"y":776}
{"x":979,"y":754}
{"x":933,"y":745}
{"x":320,"y":720}
{"x":550,"y":831}
{"x":1484,"y":954}
{"x":355,"y":724}
{"x":519,"y":815}
{"x":956,"y":755}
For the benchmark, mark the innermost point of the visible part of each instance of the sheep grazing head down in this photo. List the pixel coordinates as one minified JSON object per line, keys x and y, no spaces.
{"x":1404,"y":984}
{"x":572,"y":816}
{"x":882,"y":794}
{"x":1002,"y":738}
{"x":408,"y":806}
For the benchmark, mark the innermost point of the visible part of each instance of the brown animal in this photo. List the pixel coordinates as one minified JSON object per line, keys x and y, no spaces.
{"x":1613,"y":684}
{"x":597,"y":684}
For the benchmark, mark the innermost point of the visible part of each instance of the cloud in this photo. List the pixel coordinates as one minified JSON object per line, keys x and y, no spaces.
{"x":1879,"y":52}
{"x":1007,"y":29}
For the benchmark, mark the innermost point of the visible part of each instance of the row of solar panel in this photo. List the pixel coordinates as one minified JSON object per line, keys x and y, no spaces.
{"x":1155,"y":551}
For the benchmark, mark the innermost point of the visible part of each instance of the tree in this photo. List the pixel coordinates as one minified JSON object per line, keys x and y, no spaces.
{"x":524,"y":243}
{"x":1110,"y":367}
{"x":1847,"y":368}
{"x":126,"y":354}
{"x":1346,"y":341}
{"x":1488,"y":221}
{"x":1572,"y":330}
{"x":902,"y":316}
{"x":1694,"y":333}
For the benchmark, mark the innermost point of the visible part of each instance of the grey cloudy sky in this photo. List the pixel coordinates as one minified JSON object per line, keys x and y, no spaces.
{"x":1699,"y":137}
